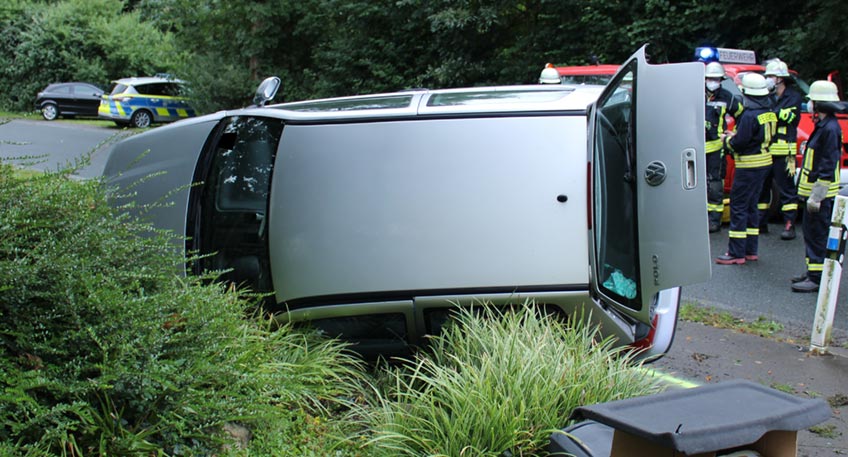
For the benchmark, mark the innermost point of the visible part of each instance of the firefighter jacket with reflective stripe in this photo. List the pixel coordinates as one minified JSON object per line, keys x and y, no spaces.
{"x":718,"y":104}
{"x":754,"y":134}
{"x":821,"y":158}
{"x":788,"y":110}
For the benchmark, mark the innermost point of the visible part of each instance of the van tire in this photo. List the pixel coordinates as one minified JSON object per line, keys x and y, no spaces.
{"x":141,"y":119}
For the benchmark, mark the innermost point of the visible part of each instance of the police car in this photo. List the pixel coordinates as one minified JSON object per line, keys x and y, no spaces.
{"x":372,"y":217}
{"x":140,"y":102}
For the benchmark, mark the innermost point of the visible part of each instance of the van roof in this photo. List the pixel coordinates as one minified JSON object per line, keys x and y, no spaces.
{"x":423,"y":102}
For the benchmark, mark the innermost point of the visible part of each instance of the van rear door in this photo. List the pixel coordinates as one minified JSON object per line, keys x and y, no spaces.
{"x":649,"y":217}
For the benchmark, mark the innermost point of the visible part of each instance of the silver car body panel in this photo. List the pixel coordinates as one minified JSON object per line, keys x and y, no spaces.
{"x":408,"y":203}
{"x":153,"y":170}
{"x":433,"y":196}
{"x":671,"y":238}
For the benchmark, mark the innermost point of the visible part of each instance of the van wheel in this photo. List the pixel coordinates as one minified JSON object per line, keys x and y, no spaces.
{"x":49,"y":111}
{"x":141,"y":119}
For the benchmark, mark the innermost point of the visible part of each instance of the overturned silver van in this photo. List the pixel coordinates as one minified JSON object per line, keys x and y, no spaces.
{"x":371,"y":217}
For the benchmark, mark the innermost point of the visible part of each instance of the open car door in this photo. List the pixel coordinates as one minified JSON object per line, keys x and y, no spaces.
{"x":649,"y":213}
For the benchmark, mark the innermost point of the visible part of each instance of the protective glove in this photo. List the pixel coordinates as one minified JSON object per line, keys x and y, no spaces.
{"x":787,"y":114}
{"x":790,"y":165}
{"x":818,"y":194}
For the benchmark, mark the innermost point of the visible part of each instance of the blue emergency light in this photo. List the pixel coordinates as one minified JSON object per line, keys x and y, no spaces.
{"x":706,"y":54}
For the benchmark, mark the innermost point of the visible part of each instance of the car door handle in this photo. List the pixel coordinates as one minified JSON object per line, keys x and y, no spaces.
{"x":690,"y":180}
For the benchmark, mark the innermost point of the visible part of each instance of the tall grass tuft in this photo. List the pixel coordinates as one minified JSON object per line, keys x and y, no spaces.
{"x":498,"y":381}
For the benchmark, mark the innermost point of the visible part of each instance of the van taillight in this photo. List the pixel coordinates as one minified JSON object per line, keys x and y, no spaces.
{"x":647,"y":341}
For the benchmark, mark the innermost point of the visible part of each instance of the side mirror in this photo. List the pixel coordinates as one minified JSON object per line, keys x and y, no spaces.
{"x":266,"y":91}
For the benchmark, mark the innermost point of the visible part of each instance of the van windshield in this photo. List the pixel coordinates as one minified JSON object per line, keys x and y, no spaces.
{"x":476,"y":98}
{"x":352,"y":104}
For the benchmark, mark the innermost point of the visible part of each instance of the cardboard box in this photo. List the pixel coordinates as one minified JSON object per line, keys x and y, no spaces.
{"x":772,"y":444}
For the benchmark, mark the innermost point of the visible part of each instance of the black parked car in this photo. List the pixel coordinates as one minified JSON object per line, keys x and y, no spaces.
{"x":68,"y":100}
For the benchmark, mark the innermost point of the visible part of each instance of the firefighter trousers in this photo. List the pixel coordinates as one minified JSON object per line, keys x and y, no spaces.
{"x":816,"y":229}
{"x":744,"y":216}
{"x":715,"y":187}
{"x":787,"y":191}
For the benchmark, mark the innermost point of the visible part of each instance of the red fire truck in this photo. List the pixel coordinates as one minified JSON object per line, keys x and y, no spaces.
{"x":586,"y":74}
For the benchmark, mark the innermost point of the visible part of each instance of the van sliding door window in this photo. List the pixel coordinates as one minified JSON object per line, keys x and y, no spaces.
{"x":616,"y":236}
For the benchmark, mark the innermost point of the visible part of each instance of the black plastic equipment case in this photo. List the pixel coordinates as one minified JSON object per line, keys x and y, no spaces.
{"x":583,"y":439}
{"x":709,"y":418}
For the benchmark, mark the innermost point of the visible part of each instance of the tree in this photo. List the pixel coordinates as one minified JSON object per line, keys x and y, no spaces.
{"x":77,"y":40}
{"x":326,"y":48}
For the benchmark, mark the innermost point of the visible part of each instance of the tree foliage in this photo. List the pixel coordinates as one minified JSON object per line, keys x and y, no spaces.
{"x":342,"y":47}
{"x":76,"y":40}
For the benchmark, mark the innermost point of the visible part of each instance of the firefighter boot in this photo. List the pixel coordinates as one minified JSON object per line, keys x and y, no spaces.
{"x":715,"y":222}
{"x":800,"y":278}
{"x":805,"y":286}
{"x":728,"y":259}
{"x":788,"y":232}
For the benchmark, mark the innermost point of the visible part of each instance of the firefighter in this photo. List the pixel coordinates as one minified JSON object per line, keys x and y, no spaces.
{"x":750,"y":148}
{"x":719,"y":103}
{"x":788,"y":109}
{"x":549,"y":75}
{"x":819,"y":181}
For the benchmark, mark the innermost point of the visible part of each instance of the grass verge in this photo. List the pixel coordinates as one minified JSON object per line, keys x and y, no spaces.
{"x":497,"y":384}
{"x":761,"y":326}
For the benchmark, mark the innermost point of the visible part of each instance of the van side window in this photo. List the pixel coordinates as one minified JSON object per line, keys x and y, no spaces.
{"x":616,"y":235}
{"x":231,"y":203}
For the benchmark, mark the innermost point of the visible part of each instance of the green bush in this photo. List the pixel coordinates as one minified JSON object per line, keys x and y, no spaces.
{"x":498,"y":382}
{"x":107,"y":350}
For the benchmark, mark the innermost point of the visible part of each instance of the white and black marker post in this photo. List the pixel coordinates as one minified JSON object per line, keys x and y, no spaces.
{"x":829,"y":287}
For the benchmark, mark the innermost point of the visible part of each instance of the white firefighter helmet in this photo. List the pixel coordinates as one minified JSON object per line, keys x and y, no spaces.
{"x":549,"y":75}
{"x":823,"y":91}
{"x":777,"y":67}
{"x":714,"y":70}
{"x":754,"y":84}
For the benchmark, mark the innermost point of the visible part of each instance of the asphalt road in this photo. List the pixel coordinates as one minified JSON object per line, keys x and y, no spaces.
{"x":757,"y":288}
{"x":55,"y":145}
{"x":762,"y":288}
